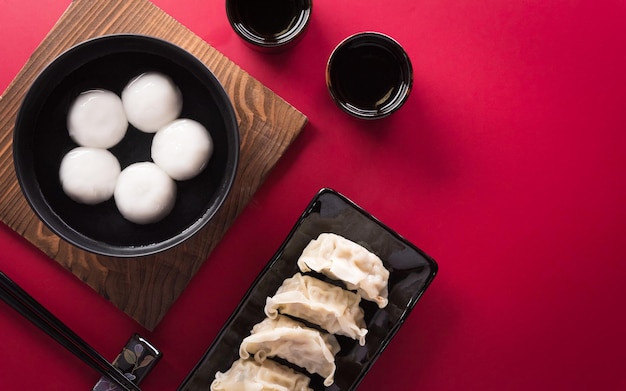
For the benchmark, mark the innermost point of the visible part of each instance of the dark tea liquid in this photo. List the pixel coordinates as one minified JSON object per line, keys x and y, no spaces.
{"x":269,"y":18}
{"x":366,"y":75}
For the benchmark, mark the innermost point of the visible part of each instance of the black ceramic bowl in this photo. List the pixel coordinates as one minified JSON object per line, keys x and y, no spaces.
{"x":41,"y":140}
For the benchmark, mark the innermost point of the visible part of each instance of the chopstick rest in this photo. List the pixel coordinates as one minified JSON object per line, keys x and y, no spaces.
{"x":135,"y":361}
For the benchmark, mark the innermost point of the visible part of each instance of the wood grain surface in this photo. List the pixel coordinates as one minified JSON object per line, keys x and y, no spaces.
{"x":145,"y":288}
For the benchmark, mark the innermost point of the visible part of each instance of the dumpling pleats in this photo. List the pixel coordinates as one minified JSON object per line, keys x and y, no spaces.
{"x":334,"y":309}
{"x":291,"y":340}
{"x":341,"y":259}
{"x":249,"y":375}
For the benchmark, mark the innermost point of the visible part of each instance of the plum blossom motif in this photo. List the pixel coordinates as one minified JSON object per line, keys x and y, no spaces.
{"x":134,"y":361}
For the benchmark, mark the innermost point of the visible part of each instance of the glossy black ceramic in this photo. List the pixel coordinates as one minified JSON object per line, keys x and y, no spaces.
{"x":369,"y":75}
{"x":136,"y":360}
{"x":41,"y":140}
{"x":411,"y":272}
{"x":269,"y":26}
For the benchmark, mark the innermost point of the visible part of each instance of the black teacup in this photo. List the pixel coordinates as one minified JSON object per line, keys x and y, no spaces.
{"x":369,"y":75}
{"x":269,"y":25}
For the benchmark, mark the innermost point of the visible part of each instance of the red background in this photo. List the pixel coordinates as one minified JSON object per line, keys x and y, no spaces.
{"x":506,"y":165}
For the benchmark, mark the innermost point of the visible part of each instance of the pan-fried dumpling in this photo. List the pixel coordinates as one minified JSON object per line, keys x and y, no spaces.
{"x":249,"y":375}
{"x":339,"y":258}
{"x":334,"y":309}
{"x":291,"y":340}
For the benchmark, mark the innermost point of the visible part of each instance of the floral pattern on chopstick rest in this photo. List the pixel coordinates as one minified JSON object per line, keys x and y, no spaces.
{"x":136,"y":360}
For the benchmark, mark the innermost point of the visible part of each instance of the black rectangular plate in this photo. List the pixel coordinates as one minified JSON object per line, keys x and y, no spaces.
{"x":411,"y":272}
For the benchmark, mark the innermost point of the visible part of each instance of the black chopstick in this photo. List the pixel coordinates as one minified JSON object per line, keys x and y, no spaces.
{"x":28,"y":307}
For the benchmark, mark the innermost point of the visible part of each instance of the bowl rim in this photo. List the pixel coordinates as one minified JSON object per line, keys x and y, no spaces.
{"x":54,"y":222}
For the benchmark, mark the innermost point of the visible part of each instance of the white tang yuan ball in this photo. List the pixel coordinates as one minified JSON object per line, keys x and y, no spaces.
{"x":151,"y":100}
{"x":182,"y":148}
{"x":144,"y":193}
{"x":89,"y":175}
{"x":97,"y":119}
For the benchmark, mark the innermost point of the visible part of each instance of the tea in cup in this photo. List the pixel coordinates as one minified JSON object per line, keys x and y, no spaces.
{"x":269,"y":25}
{"x":369,"y":75}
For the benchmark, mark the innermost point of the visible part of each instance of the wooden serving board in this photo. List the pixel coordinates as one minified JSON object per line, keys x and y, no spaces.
{"x":145,"y":288}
